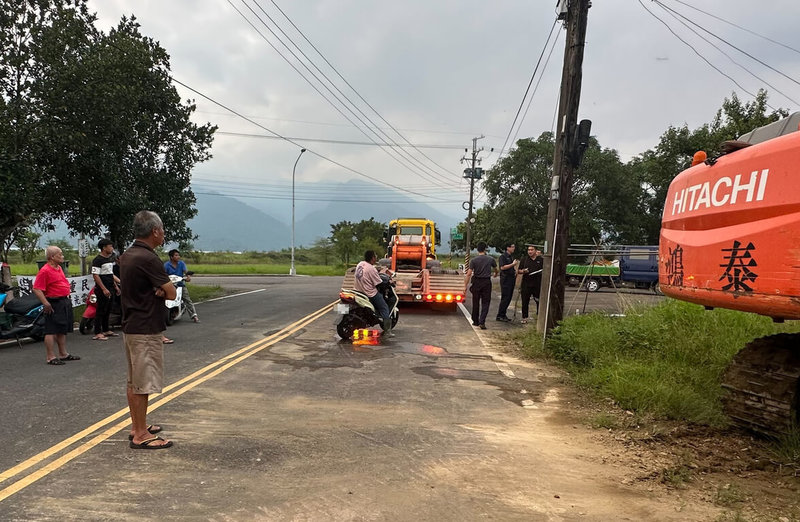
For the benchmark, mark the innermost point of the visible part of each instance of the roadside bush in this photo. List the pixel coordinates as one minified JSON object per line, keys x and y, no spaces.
{"x":665,"y":360}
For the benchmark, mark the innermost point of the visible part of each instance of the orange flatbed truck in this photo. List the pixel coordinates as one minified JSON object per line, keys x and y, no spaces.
{"x":411,"y":256}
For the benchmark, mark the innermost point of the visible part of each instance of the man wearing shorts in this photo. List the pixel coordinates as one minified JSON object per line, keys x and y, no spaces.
{"x":145,"y":287}
{"x":52,"y":289}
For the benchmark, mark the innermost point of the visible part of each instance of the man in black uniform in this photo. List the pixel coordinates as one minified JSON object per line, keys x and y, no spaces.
{"x":531,"y":270}
{"x":105,"y":286}
{"x":480,"y":271}
{"x":508,"y":277}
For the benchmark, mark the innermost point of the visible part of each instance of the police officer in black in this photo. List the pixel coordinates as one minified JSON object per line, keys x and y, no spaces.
{"x":531,"y":269}
{"x":480,"y":271}
{"x":508,"y":277}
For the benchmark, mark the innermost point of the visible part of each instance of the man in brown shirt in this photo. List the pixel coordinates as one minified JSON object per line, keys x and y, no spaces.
{"x":145,"y":285}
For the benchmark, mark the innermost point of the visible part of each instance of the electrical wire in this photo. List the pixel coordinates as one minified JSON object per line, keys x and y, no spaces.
{"x":768,"y":66}
{"x":341,"y":142}
{"x":739,"y":27}
{"x":300,"y":146}
{"x":343,"y":200}
{"x":527,"y":89}
{"x":334,"y":105}
{"x":695,"y":50}
{"x":407,"y":157}
{"x":351,"y":87}
{"x":680,"y":18}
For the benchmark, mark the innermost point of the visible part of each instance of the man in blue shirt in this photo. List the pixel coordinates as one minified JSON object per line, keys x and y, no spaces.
{"x":175,"y":266}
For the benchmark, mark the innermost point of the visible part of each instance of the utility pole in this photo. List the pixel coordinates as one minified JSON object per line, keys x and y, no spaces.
{"x":551,"y":306}
{"x":472,"y":173}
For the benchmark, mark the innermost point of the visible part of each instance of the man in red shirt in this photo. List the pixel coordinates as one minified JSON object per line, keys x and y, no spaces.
{"x":52,"y":289}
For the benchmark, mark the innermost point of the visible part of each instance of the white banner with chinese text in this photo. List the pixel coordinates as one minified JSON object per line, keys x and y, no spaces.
{"x":79,"y":287}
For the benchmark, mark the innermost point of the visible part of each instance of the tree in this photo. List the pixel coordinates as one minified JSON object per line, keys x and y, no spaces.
{"x":35,"y":36}
{"x":323,"y":249}
{"x":606,"y":202}
{"x":91,"y":128}
{"x":657,"y":167}
{"x":132,"y":142}
{"x":350,"y":240}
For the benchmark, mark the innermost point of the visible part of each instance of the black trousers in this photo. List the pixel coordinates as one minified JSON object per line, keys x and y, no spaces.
{"x":526,"y":292}
{"x":481,"y":297}
{"x":506,"y":291}
{"x":103,"y":311}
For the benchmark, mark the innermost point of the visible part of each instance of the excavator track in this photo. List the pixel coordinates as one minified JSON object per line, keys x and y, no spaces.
{"x":763,"y":385}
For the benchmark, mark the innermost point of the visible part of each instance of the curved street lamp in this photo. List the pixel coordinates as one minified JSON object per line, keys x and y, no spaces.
{"x":291,"y":269}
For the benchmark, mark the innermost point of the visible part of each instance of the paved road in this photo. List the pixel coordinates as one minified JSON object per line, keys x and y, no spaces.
{"x":274,"y":418}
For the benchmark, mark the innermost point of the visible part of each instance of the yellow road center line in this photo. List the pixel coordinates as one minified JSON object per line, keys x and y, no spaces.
{"x":232,"y":359}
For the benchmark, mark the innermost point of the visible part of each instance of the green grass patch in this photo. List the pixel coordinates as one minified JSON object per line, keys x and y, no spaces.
{"x":264,"y":268}
{"x":664,"y":361}
{"x":200,"y":293}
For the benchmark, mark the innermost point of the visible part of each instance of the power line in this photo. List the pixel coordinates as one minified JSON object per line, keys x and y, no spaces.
{"x":729,"y":44}
{"x":298,"y":145}
{"x":325,"y":86}
{"x":739,"y":27}
{"x":342,"y":142}
{"x":334,"y":105}
{"x":679,"y":18}
{"x":344,"y":200}
{"x":351,"y":87}
{"x":305,"y":188}
{"x":527,"y":89}
{"x":695,"y":50}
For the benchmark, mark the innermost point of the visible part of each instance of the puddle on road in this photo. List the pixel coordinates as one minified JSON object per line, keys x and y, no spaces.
{"x":518,"y":391}
{"x":348,"y":354}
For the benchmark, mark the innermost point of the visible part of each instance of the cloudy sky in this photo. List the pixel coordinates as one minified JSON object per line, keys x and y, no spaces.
{"x":440,"y":73}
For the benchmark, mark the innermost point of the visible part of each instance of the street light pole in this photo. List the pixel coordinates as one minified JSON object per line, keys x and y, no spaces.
{"x":292,"y":270}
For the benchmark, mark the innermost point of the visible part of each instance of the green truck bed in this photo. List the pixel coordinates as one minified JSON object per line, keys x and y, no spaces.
{"x":592,"y":270}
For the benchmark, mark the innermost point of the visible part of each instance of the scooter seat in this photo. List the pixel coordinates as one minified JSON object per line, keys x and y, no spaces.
{"x":22,"y":305}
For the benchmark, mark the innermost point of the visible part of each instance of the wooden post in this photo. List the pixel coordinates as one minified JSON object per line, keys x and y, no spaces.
{"x":557,"y":232}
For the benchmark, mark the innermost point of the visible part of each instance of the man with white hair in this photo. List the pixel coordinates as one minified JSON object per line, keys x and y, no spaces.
{"x":52,"y":289}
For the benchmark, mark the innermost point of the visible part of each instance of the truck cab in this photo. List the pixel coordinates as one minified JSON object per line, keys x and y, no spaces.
{"x":413,"y":231}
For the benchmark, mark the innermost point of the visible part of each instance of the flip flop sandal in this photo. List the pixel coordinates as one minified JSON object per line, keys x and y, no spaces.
{"x":70,"y":357}
{"x":110,"y":334}
{"x":168,"y":341}
{"x":152,"y":429}
{"x":96,"y":338}
{"x":147,"y":444}
{"x":56,"y":362}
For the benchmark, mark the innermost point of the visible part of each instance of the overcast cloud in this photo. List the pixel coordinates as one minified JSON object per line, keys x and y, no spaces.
{"x":445,"y":71}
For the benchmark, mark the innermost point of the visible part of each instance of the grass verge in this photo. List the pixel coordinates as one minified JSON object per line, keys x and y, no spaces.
{"x":664,"y":361}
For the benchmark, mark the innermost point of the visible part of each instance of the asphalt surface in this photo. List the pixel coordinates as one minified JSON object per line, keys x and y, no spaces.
{"x":274,"y":418}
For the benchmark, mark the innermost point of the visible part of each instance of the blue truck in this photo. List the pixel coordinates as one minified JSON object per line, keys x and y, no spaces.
{"x":637,"y":266}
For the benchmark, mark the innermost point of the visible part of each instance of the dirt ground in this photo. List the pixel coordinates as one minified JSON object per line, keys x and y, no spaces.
{"x":732,"y":474}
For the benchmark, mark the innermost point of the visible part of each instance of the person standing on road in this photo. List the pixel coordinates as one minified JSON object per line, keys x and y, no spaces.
{"x":508,"y":277}
{"x":105,"y":286}
{"x":176,"y":266}
{"x":52,"y":289}
{"x":531,"y":270}
{"x":146,"y":286}
{"x":480,"y":272}
{"x":366,"y":281}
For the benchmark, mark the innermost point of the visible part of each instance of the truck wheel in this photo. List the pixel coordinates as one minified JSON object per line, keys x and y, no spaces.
{"x":86,"y":325}
{"x":657,"y":289}
{"x":592,"y":285}
{"x":573,"y":281}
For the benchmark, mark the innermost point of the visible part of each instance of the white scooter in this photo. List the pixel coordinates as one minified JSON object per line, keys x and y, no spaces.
{"x":175,"y":307}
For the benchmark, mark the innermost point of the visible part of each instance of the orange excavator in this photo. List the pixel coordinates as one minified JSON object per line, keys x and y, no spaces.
{"x":730,"y":238}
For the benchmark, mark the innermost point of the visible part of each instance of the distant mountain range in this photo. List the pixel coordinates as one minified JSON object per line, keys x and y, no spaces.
{"x":227,"y":223}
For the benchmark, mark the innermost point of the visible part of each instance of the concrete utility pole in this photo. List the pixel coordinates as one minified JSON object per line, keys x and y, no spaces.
{"x":551,"y":305}
{"x":471,"y":174}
